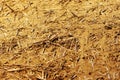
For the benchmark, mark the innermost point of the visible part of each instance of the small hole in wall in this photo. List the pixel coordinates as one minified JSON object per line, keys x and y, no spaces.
{"x":90,"y":73}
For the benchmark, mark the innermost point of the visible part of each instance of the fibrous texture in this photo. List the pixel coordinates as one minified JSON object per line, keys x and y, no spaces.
{"x":59,"y":39}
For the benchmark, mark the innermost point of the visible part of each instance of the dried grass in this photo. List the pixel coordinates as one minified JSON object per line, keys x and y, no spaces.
{"x":59,"y":40}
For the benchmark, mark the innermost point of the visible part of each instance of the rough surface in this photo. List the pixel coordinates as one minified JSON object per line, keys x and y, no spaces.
{"x":59,"y":39}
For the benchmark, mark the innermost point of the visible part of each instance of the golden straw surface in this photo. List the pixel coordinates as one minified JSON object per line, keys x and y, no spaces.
{"x":59,"y":39}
